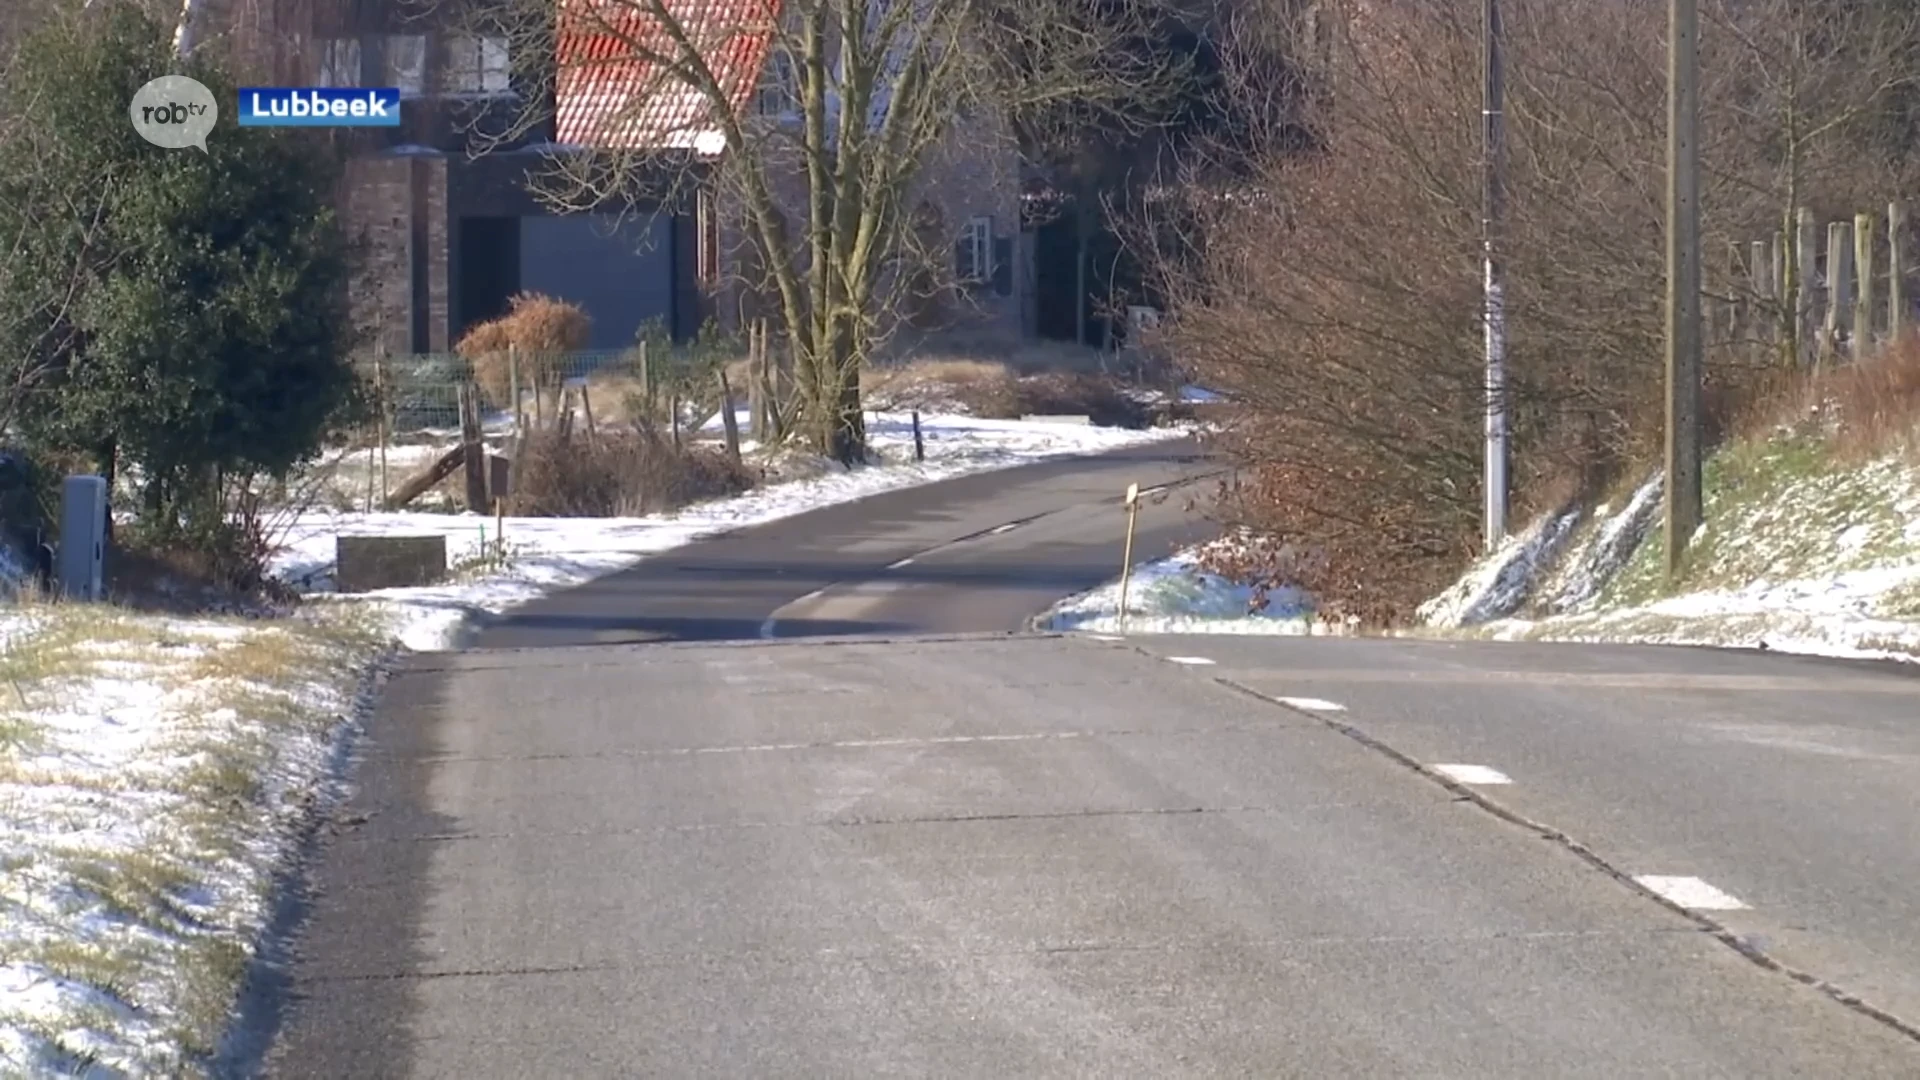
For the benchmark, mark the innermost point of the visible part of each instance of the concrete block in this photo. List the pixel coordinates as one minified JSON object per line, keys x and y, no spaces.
{"x":365,"y":563}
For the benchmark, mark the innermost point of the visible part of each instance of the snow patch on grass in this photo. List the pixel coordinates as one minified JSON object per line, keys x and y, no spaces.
{"x":1497,"y":585}
{"x":1598,"y":554}
{"x":1175,"y":595}
{"x":153,"y":771}
{"x":1799,"y":553}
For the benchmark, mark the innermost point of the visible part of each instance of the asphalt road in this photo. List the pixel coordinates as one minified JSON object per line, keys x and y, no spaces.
{"x":985,"y":551}
{"x":1034,"y":855}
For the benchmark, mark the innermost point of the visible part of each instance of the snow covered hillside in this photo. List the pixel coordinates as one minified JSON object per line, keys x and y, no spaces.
{"x":1800,"y":552}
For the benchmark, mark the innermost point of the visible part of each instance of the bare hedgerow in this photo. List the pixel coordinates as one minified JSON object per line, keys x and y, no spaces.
{"x":619,"y":474}
{"x":1336,"y":293}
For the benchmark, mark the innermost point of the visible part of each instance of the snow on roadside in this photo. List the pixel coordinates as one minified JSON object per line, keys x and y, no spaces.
{"x":1174,"y":595}
{"x":1844,"y":615}
{"x":1798,"y":554}
{"x":1576,"y":583}
{"x":553,"y":553}
{"x":153,"y":771}
{"x":1497,"y":585}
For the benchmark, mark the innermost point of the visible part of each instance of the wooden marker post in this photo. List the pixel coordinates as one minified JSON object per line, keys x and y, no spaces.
{"x":1126,"y":560}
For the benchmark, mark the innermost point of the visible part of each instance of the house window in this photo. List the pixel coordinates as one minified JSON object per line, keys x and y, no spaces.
{"x":406,"y":63}
{"x":478,"y":65}
{"x":707,"y":226}
{"x":973,"y":256}
{"x":339,"y":62}
{"x":780,"y":89}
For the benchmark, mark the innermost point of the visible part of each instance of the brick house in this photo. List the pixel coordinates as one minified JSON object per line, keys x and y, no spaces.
{"x":967,"y":199}
{"x":447,"y":236}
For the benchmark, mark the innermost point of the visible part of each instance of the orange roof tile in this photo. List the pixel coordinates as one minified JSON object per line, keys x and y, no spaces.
{"x":609,"y":93}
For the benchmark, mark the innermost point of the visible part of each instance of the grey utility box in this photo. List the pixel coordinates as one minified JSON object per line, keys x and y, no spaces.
{"x":83,"y":536}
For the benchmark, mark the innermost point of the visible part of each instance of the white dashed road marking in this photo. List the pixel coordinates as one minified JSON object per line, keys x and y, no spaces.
{"x":1008,"y":527}
{"x":1472,"y":774}
{"x":908,"y":561}
{"x":1201,"y":660}
{"x":1312,"y":704}
{"x":1105,"y":637}
{"x":1689,"y":892}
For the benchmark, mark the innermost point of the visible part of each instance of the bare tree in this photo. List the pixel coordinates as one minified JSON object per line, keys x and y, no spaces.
{"x":658,"y":98}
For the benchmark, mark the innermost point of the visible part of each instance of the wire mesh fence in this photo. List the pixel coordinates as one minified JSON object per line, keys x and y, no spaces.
{"x":420,"y":393}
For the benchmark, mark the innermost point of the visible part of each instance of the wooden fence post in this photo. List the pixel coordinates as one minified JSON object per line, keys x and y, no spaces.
{"x":729,"y":423}
{"x":1804,"y":333}
{"x":756,"y":384}
{"x":1839,"y":288}
{"x":475,"y":457}
{"x":779,"y":382}
{"x":513,"y":383}
{"x":1738,"y":305}
{"x":1863,"y":231}
{"x":646,"y":380}
{"x":1896,"y":270}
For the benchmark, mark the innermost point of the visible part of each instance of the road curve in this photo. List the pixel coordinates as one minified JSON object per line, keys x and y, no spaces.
{"x":977,"y":553}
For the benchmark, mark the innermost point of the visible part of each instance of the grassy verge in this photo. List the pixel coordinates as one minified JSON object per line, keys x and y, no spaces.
{"x":151,"y":771}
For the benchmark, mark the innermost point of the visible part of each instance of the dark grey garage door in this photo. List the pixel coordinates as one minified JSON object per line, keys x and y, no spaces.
{"x":623,"y":278}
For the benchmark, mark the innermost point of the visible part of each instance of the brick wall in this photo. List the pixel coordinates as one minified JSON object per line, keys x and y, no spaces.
{"x":395,"y":211}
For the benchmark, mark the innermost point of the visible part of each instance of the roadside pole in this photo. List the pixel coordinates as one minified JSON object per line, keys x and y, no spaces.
{"x":1126,"y":560}
{"x":1684,"y":345}
{"x":1493,"y":206}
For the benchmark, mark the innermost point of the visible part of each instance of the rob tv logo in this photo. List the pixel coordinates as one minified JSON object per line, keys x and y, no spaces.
{"x":319,"y":106}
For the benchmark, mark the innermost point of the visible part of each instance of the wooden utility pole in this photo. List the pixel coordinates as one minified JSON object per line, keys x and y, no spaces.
{"x":1493,"y":207}
{"x":1683,"y":281}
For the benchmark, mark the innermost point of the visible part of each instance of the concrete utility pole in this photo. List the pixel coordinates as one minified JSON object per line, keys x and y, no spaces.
{"x":1493,"y":168}
{"x":1683,"y":281}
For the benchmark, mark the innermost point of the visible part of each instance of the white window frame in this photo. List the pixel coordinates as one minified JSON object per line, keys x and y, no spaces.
{"x":339,"y":63}
{"x":410,"y":79}
{"x":978,"y":235}
{"x":478,"y":66}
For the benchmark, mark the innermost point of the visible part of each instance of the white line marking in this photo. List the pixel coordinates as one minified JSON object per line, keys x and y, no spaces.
{"x":1008,"y":527}
{"x":1689,"y":892}
{"x":1473,"y":774}
{"x":1104,"y":637}
{"x":766,"y":628}
{"x":1188,"y":660}
{"x":1312,"y":704}
{"x":903,"y":562}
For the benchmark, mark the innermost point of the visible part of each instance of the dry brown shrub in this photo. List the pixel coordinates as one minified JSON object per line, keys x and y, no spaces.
{"x":619,"y":474}
{"x":931,"y":382}
{"x":540,"y":329}
{"x":1863,"y":411}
